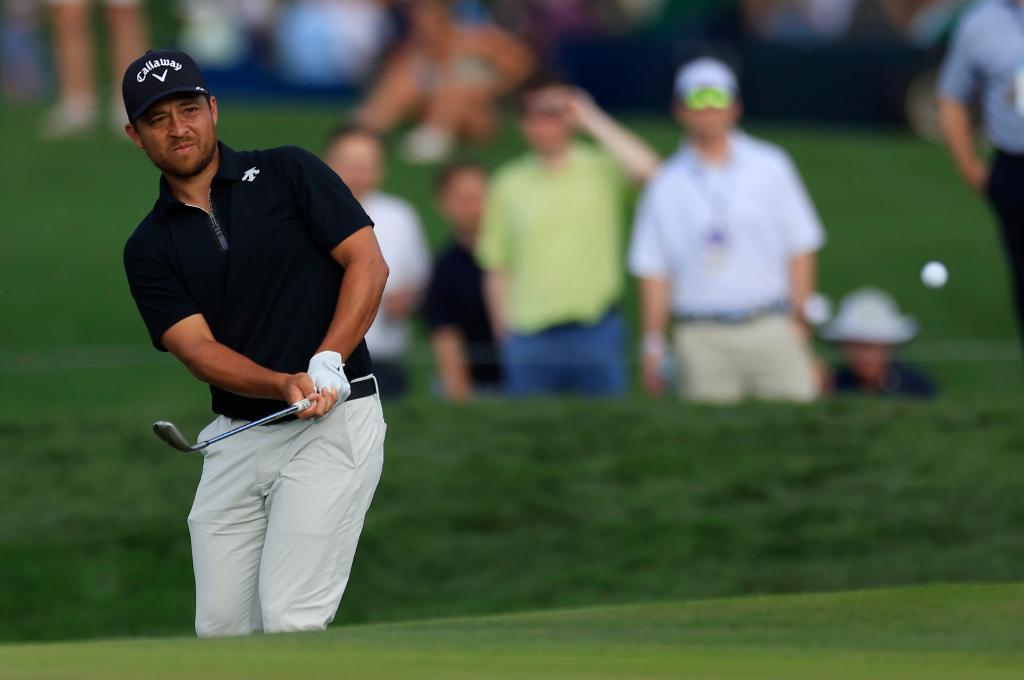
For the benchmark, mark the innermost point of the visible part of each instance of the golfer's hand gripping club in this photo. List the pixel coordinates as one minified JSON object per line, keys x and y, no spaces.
{"x":328,"y":373}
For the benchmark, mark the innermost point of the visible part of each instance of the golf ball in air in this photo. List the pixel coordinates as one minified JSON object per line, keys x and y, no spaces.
{"x":934,"y":274}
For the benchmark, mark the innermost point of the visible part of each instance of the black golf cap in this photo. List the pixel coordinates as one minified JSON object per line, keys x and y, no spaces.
{"x":157,"y":74}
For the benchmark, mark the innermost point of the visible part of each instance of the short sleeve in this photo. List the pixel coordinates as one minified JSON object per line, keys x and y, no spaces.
{"x":959,"y":78}
{"x":798,"y":218}
{"x":159,"y":294}
{"x":647,"y":256}
{"x":418,"y":254}
{"x":440,"y":304}
{"x":492,"y":248}
{"x":325,"y":203}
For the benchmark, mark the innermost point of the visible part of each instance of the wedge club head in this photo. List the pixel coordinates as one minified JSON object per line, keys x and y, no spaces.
{"x":172,"y":435}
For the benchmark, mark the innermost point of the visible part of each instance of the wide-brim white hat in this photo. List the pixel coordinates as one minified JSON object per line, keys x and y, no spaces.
{"x":870,"y":315}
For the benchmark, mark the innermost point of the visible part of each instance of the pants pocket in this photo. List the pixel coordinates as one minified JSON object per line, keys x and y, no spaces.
{"x":358,"y":432}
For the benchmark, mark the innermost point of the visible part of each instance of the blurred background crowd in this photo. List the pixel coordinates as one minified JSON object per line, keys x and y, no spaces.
{"x":526,"y":297}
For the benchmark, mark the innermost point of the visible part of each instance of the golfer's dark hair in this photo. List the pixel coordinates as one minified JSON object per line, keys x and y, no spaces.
{"x":349,"y":130}
{"x":452,"y":169}
{"x":540,"y":80}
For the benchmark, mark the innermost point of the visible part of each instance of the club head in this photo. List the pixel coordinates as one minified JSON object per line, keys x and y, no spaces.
{"x":170,"y":434}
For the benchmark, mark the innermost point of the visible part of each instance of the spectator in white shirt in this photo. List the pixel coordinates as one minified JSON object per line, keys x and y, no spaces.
{"x":357,"y":154}
{"x":725,"y":243}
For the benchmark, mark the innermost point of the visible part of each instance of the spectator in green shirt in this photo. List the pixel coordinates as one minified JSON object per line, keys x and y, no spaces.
{"x":551,"y":246}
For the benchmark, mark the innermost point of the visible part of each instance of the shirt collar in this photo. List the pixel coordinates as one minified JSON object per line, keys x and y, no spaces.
{"x":691,"y":159}
{"x":229,"y":169}
{"x":572,"y":154}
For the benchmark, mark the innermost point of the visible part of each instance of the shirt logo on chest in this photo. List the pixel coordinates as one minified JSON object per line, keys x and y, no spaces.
{"x":250,"y":174}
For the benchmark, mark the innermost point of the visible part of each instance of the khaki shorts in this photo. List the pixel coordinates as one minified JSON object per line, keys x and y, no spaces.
{"x":725,"y":363}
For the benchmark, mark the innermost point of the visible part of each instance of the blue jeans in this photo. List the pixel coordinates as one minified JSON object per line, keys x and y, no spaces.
{"x":568,"y":359}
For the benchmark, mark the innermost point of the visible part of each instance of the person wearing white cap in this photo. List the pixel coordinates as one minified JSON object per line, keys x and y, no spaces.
{"x":724,"y":243}
{"x":867,"y":329}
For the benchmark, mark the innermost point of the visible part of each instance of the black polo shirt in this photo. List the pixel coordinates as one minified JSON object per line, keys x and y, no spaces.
{"x":260,"y":273}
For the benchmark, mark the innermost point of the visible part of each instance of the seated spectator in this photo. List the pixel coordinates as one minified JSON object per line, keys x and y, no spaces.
{"x":450,"y":76}
{"x":460,"y":331}
{"x":725,"y":244}
{"x":357,"y":155}
{"x":868,"y":328}
{"x":551,"y":246}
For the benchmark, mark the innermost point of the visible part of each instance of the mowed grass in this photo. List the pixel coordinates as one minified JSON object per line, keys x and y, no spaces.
{"x":547,"y":504}
{"x":934,"y":633}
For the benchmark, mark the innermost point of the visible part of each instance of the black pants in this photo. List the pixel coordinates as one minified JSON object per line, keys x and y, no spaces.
{"x":1006,"y":191}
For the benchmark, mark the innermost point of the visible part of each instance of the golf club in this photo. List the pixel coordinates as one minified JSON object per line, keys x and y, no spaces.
{"x":168,"y":432}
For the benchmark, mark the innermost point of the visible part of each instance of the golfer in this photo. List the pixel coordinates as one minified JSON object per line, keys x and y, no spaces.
{"x":260,"y":272}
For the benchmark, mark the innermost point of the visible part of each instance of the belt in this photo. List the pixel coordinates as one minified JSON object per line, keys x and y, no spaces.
{"x":779,"y":307}
{"x":577,"y":325}
{"x":363,"y":387}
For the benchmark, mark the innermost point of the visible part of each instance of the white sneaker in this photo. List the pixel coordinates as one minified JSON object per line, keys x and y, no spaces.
{"x":68,"y":120}
{"x":426,"y":145}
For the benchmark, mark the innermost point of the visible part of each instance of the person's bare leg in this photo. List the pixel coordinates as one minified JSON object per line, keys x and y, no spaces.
{"x":394,"y":97}
{"x":481,"y":121}
{"x":76,"y":107}
{"x":449,"y":115}
{"x":128,"y":40}
{"x":447,"y":107}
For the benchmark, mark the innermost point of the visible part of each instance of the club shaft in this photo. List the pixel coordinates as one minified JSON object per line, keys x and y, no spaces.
{"x":256,"y":423}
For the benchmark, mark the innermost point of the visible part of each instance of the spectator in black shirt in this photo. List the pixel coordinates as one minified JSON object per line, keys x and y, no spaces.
{"x":456,"y":316}
{"x":868,"y":328}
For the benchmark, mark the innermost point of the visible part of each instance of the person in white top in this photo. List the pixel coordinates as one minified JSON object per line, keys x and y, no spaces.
{"x":725,"y":242}
{"x":357,"y":154}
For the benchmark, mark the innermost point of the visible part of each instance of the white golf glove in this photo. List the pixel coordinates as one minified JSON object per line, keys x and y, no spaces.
{"x":328,"y":373}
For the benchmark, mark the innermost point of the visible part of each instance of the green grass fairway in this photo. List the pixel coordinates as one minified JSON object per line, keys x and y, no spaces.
{"x":937,"y":632}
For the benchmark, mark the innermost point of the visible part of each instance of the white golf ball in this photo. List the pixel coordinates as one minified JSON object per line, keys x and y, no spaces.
{"x":934,"y":274}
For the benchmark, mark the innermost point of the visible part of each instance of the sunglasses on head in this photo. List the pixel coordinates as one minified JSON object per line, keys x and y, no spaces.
{"x":705,"y":98}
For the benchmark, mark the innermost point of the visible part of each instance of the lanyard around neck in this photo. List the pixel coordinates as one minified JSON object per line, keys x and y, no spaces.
{"x":716,"y":193}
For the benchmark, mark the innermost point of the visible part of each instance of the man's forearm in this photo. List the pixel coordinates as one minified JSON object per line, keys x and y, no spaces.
{"x":452,"y":365}
{"x":358,"y":301}
{"x":654,"y":310}
{"x":495,"y":290}
{"x":802,"y":280}
{"x":959,"y":133}
{"x":634,"y":154}
{"x":222,"y":367}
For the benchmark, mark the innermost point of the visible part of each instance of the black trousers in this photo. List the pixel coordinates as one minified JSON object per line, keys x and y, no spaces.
{"x":1006,"y":191}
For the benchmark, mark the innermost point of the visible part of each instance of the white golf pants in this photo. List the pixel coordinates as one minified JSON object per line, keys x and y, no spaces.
{"x":277,"y":516}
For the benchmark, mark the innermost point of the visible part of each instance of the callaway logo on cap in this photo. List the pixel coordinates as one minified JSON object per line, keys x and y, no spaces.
{"x":157,"y":74}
